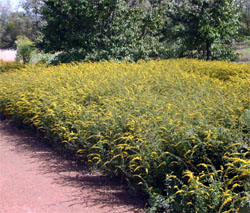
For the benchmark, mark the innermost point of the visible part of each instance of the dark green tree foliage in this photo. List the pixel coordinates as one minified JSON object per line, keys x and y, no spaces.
{"x":15,"y":25}
{"x":206,"y":27}
{"x":140,"y":29}
{"x":245,"y":17}
{"x":101,"y":29}
{"x":32,"y":12}
{"x":4,"y":14}
{"x":26,"y":22}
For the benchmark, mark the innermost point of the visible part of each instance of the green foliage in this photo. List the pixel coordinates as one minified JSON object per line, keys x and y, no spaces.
{"x":26,"y":22}
{"x":206,"y":27}
{"x":32,"y":13}
{"x":25,"y":47}
{"x":128,"y":30}
{"x":11,"y":26}
{"x":118,"y":30}
{"x":102,"y":30}
{"x":245,"y":17}
{"x":176,"y":129}
{"x":40,"y":57}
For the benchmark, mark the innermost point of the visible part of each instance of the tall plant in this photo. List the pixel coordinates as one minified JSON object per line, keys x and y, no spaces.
{"x":101,"y":30}
{"x":207,"y":27}
{"x":25,"y":47}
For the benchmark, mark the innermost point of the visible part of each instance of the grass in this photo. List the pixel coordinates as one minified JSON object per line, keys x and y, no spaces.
{"x":244,"y":54}
{"x":243,"y":49}
{"x":247,"y":43}
{"x":7,"y":55}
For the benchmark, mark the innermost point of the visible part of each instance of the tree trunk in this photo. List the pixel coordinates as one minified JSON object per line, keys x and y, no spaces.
{"x":208,"y":50}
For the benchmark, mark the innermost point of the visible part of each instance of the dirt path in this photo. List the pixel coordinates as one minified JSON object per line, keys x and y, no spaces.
{"x":34,"y":179}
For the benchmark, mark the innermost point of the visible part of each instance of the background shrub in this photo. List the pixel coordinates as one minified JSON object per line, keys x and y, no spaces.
{"x":25,"y":47}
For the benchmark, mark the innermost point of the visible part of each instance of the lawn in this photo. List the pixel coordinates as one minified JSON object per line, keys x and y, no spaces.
{"x":243,"y":49}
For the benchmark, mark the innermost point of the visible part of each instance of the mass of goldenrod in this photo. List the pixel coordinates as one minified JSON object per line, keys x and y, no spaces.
{"x":177,"y":129}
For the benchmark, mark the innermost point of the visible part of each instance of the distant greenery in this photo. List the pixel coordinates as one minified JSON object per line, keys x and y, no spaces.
{"x":247,"y":43}
{"x":26,"y":22}
{"x":132,"y":30}
{"x":206,"y":27}
{"x":245,"y":17}
{"x":25,"y":47}
{"x":102,"y":30}
{"x":244,"y":55}
{"x":29,"y":54}
{"x":243,"y":50}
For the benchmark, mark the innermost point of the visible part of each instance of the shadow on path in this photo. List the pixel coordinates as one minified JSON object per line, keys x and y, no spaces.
{"x":100,"y":190}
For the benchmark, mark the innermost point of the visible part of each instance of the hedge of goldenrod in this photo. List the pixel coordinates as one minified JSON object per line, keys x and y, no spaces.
{"x":10,"y":66}
{"x":178,"y":129}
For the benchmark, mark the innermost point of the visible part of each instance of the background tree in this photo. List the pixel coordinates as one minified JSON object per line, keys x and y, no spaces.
{"x":101,"y":29}
{"x":15,"y":25}
{"x":25,"y":22}
{"x":5,"y":10}
{"x":206,"y":27}
{"x":32,"y":11}
{"x":245,"y":17}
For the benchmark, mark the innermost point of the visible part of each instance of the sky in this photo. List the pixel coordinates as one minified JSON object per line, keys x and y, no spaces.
{"x":14,"y":3}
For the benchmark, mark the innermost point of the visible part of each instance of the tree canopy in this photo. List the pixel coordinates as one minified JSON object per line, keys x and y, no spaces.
{"x":23,"y":22}
{"x":127,"y":29}
{"x":207,"y":27}
{"x":101,"y":29}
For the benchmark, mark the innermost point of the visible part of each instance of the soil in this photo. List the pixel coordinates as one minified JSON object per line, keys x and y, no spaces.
{"x":35,"y":179}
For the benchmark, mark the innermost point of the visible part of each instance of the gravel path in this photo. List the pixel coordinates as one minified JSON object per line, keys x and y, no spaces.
{"x":34,"y":179}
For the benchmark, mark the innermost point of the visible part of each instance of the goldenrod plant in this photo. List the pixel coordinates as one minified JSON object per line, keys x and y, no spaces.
{"x":10,"y":66}
{"x":176,"y":129}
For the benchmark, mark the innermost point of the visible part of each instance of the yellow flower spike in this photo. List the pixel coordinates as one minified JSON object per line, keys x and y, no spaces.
{"x":230,"y":210}
{"x":203,"y":164}
{"x":187,"y":153}
{"x":189,"y":174}
{"x":180,"y":191}
{"x":245,"y":198}
{"x":235,"y":185}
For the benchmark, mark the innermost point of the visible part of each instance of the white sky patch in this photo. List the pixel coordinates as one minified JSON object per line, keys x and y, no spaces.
{"x":15,"y":4}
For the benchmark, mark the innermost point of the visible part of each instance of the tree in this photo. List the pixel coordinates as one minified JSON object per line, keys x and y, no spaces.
{"x":25,"y":22}
{"x":206,"y":27}
{"x":245,"y":17}
{"x":5,"y":10}
{"x":32,"y":11}
{"x":101,"y":29}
